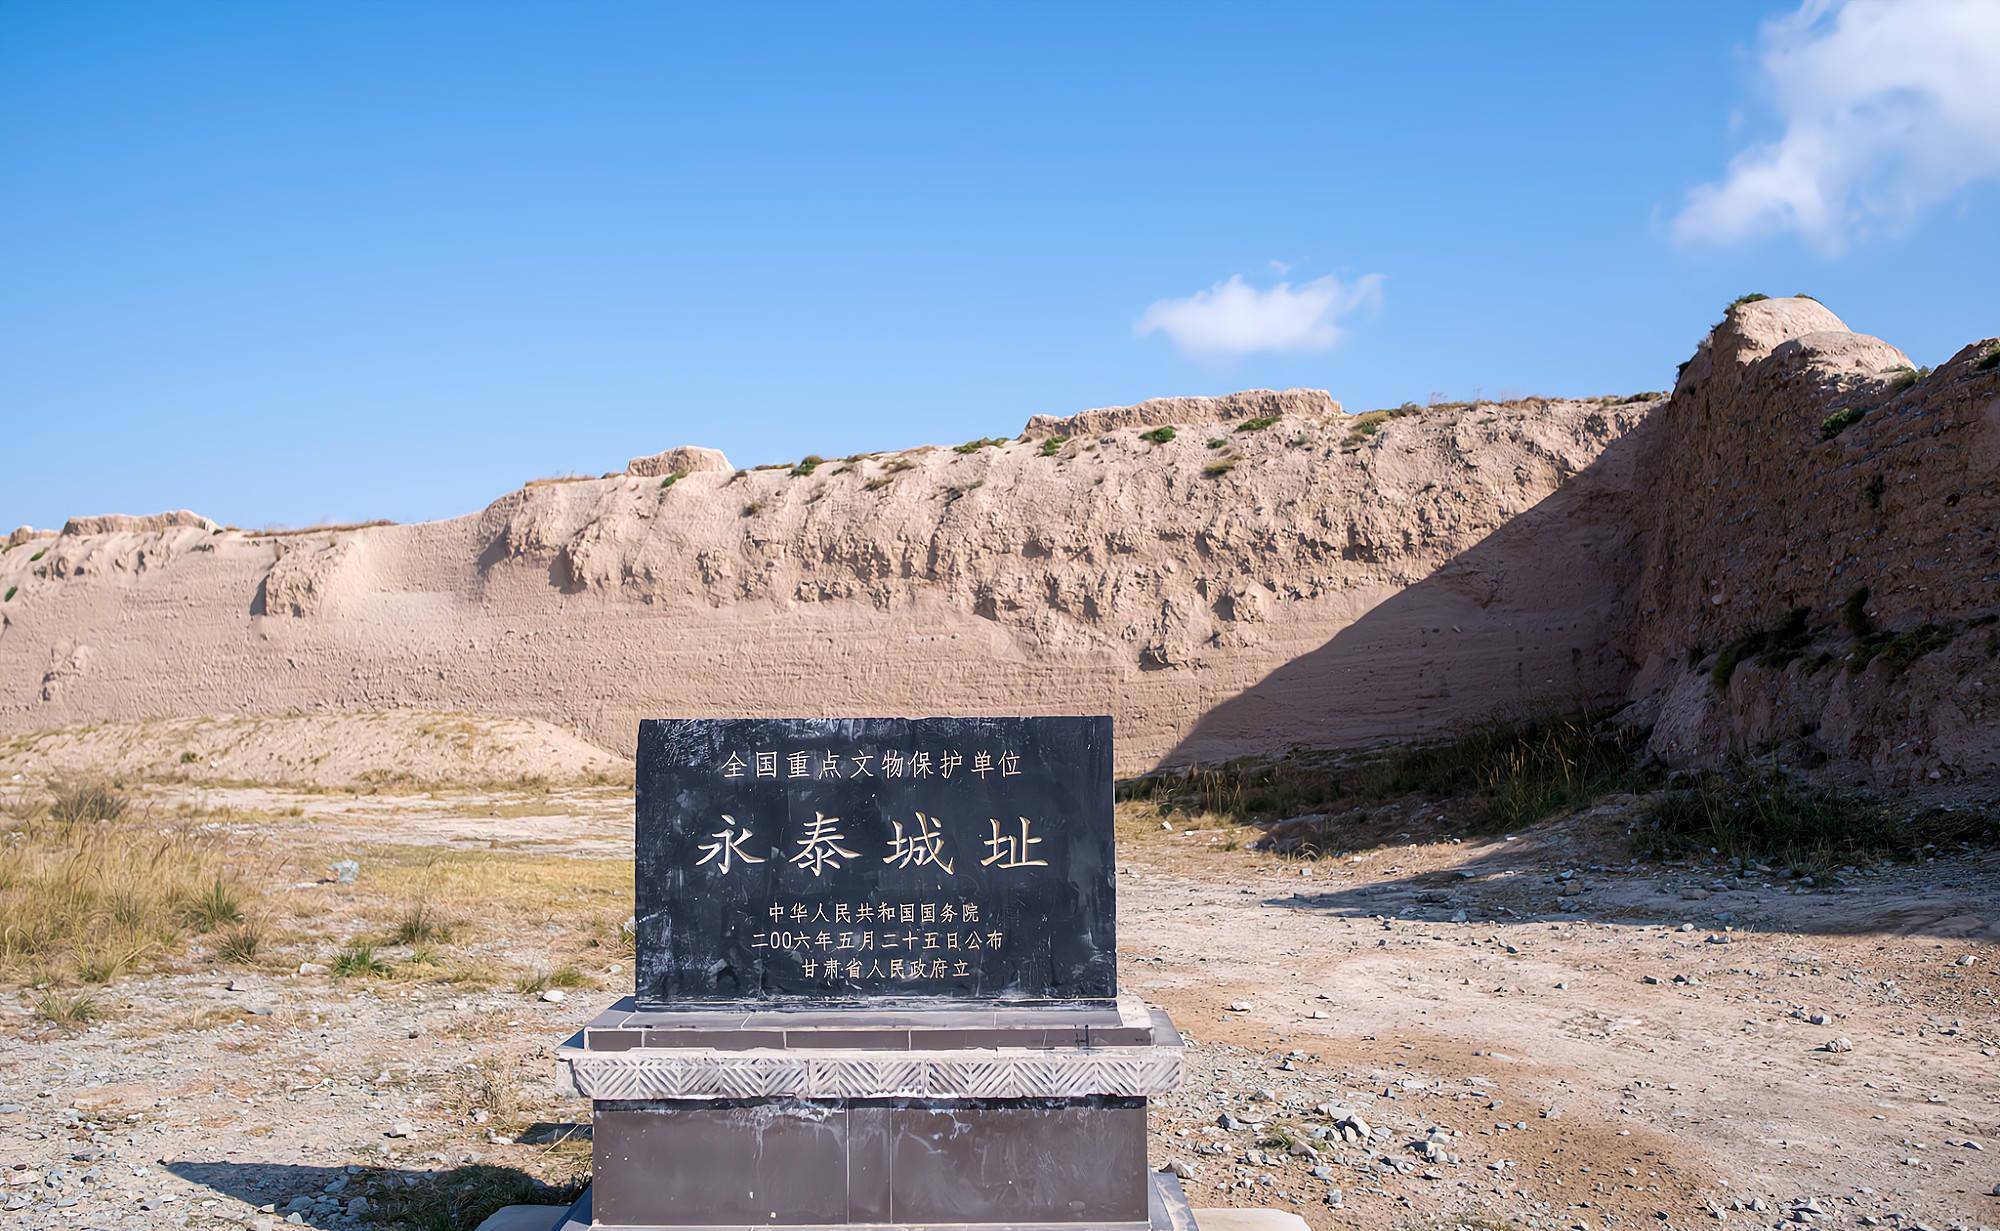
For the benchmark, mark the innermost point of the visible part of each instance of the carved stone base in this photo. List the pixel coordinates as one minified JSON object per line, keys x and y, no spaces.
{"x":1012,"y":1117}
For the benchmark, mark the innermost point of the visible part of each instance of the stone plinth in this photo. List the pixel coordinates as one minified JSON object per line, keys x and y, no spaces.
{"x":918,"y":1117}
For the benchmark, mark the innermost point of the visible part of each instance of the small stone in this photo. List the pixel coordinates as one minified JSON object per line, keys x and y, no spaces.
{"x":311,"y":968}
{"x":402,"y":1128}
{"x":345,"y":871}
{"x":555,"y":995}
{"x":1837,"y":1045}
{"x":1239,"y":1006}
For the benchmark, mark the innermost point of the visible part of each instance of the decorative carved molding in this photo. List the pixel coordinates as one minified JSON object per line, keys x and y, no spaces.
{"x":692,"y":1074}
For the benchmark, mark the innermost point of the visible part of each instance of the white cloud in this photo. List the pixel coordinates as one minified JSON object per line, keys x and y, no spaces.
{"x":1889,"y":107}
{"x":1235,"y":318}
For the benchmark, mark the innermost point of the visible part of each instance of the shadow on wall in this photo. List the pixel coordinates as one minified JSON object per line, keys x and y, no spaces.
{"x":1533,"y":617}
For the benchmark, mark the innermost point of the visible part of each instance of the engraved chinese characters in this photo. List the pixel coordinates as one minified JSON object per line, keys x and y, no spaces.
{"x":861,"y":860}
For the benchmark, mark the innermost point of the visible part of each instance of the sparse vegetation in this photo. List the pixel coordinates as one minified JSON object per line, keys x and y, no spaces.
{"x":217,"y":902}
{"x":1990,"y":361}
{"x":282,"y":532}
{"x":753,"y":508}
{"x":463,"y":1197}
{"x":535,"y":982}
{"x":1158,"y":436}
{"x":1369,"y":422}
{"x":1754,"y":814}
{"x":38,"y":555}
{"x":669,"y":481}
{"x":10,"y":594}
{"x":1740,"y":300}
{"x":64,"y":1009}
{"x":875,"y":485}
{"x":241,"y":943}
{"x":1515,"y":772}
{"x":83,"y":800}
{"x":1053,"y":445}
{"x":422,"y":924}
{"x":984,"y":442}
{"x":1839,"y":421}
{"x":1216,"y":470}
{"x":1904,"y":376}
{"x":807,"y":464}
{"x":1258,"y":424}
{"x":105,"y":963}
{"x":1900,"y":650}
{"x":359,"y":960}
{"x":1217,"y":442}
{"x":86,"y":890}
{"x":1771,"y":647}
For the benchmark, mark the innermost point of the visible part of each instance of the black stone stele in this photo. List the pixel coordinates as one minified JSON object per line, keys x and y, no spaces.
{"x":868,"y":860}
{"x":876,"y":987}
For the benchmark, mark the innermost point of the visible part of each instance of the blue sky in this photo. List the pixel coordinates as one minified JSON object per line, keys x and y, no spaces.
{"x":291,"y":263}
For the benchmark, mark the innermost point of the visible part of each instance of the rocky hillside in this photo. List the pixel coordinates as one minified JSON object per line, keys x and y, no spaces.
{"x":1796,"y":550}
{"x":1822,"y":553}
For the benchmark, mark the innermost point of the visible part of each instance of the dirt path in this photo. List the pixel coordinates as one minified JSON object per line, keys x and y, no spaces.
{"x":1600,"y":1047}
{"x":1533,"y":1034}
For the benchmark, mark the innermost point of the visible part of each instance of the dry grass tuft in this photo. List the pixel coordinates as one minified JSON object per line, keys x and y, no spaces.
{"x":82,"y":800}
{"x":422,"y":924}
{"x":359,"y":960}
{"x":240,"y":945}
{"x":536,"y":982}
{"x":68,"y":1010}
{"x":91,"y":890}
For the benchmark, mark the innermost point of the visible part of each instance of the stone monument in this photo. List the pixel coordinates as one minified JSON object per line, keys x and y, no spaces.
{"x":876,"y":985}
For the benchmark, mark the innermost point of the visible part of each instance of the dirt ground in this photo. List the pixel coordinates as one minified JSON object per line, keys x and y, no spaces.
{"x":1533,"y":1030}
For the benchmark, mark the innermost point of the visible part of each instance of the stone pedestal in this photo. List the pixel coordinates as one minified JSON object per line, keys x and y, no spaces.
{"x":954,"y":1115}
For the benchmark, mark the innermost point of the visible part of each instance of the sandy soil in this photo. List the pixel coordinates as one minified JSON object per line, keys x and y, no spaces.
{"x":1585,"y":1043}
